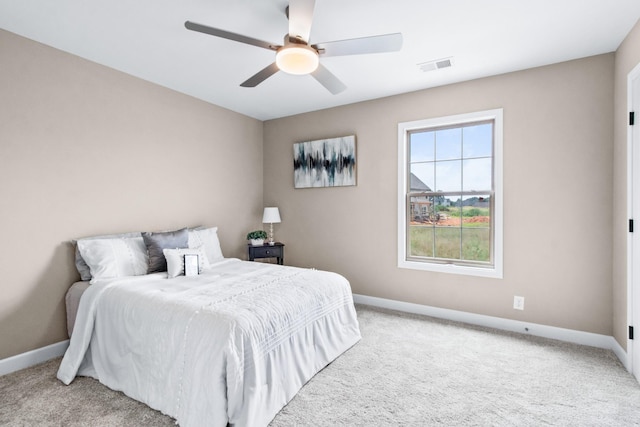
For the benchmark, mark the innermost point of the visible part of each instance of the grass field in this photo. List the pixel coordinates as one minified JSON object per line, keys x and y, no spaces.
{"x":466,"y":243}
{"x":467,"y":211}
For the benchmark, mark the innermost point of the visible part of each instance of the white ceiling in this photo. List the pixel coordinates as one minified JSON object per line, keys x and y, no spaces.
{"x":147,"y":39}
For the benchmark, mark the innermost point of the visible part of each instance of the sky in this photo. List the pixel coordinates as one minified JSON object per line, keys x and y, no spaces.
{"x":453,"y":159}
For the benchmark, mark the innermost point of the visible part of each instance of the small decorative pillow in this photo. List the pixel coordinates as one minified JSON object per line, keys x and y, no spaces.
{"x":157,"y":242}
{"x":208,"y":239}
{"x":175,"y":260}
{"x":113,"y":258}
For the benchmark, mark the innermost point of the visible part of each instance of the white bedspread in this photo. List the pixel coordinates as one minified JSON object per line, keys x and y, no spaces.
{"x":232,"y":345}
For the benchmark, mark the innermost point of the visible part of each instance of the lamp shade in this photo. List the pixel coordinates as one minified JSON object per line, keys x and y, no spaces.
{"x":271,"y":216}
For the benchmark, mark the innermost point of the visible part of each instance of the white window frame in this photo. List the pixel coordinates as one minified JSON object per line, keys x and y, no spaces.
{"x":496,"y":271}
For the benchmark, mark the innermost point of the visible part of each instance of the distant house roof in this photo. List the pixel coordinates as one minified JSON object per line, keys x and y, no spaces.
{"x":418,"y":185}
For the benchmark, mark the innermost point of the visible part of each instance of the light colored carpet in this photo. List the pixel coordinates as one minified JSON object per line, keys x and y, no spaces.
{"x":407,"y":370}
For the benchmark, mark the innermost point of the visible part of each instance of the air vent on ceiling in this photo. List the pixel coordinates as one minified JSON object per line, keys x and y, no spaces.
{"x":436,"y":64}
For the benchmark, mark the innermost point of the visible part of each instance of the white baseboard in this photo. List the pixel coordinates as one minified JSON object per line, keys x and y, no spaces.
{"x":568,"y":335}
{"x":33,"y":357}
{"x":621,"y":353}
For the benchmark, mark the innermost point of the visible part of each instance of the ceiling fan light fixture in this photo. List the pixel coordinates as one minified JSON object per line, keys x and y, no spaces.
{"x":297,"y":59}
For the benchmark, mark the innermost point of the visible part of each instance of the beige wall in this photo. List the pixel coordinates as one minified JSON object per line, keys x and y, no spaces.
{"x":627,"y":57}
{"x":557,"y":196}
{"x":88,"y":150}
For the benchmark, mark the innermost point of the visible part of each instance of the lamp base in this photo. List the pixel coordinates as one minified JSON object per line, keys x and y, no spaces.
{"x":271,"y":241}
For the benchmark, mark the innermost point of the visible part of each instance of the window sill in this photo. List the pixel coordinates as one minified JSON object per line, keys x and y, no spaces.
{"x":495,"y":272}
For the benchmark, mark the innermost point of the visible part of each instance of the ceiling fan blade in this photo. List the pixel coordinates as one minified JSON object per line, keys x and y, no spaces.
{"x":260,"y":76}
{"x":229,"y":35}
{"x":360,"y":46}
{"x":300,"y":18}
{"x":328,"y":80}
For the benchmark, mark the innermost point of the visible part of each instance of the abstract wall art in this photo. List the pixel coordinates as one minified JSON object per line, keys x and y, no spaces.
{"x":325,"y":162}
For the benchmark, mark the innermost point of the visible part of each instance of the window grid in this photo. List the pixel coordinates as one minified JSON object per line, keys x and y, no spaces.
{"x":488,"y":192}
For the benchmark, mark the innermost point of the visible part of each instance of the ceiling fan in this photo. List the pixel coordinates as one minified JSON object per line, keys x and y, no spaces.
{"x":297,"y":55}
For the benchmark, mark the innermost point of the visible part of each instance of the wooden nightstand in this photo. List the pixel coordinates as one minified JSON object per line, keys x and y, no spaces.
{"x":267,"y":251}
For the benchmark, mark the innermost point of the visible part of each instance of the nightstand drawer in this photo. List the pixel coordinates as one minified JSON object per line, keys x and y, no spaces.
{"x":267,"y":251}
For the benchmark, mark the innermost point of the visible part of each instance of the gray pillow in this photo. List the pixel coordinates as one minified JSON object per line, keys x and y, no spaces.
{"x":157,"y":242}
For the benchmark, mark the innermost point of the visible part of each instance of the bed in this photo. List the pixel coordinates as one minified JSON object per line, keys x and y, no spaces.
{"x":231,"y":345}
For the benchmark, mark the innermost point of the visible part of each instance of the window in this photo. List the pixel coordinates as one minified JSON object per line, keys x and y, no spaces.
{"x":450,"y":194}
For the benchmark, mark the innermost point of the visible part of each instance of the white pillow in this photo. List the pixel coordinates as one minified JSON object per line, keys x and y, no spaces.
{"x":175,"y":260}
{"x":208,"y":239}
{"x":113,"y":258}
{"x":81,"y":265}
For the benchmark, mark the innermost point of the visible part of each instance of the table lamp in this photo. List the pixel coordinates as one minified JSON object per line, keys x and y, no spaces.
{"x":271,"y":216}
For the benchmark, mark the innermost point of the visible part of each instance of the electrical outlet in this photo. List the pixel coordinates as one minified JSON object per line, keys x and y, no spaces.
{"x":518,"y":303}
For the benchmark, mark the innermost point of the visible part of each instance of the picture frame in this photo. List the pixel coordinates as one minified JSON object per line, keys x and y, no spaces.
{"x":191,"y":265}
{"x":325,"y":162}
